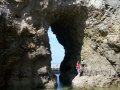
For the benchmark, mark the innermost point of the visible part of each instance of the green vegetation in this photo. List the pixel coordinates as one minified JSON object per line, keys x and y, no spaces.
{"x":55,"y":69}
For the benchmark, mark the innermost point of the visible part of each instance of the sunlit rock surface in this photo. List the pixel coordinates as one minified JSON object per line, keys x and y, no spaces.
{"x":89,"y":31}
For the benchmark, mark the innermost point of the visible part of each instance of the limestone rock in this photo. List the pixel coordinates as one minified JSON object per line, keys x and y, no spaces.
{"x":93,"y":81}
{"x":89,"y":31}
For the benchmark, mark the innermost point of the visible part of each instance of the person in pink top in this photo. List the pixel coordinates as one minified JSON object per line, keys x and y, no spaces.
{"x":78,"y":68}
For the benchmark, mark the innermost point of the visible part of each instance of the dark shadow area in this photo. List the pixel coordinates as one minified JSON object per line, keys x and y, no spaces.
{"x":69,"y":30}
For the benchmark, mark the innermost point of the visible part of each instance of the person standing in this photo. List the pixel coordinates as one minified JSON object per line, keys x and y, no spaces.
{"x":78,"y":68}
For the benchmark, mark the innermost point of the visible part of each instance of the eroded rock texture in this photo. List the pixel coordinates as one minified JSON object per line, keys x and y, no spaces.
{"x":88,"y":29}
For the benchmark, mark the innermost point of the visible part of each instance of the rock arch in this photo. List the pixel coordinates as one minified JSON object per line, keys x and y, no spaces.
{"x":25,"y":51}
{"x":70,"y":33}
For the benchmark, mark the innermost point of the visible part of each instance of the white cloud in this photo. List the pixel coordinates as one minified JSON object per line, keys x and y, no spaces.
{"x":51,"y":34}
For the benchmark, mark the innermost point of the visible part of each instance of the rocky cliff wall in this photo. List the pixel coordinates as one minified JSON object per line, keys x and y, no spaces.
{"x":88,"y":29}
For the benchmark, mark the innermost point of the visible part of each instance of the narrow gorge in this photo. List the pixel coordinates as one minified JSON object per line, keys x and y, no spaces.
{"x":89,"y":31}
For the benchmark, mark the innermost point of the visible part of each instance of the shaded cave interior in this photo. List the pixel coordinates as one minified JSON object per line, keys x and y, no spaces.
{"x":69,"y":31}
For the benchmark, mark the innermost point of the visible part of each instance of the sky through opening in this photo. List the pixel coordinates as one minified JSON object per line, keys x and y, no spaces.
{"x":56,"y":48}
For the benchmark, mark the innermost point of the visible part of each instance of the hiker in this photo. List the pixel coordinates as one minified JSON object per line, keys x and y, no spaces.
{"x":78,"y":68}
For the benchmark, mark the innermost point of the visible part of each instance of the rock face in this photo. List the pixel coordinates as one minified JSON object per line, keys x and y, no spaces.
{"x":89,"y":30}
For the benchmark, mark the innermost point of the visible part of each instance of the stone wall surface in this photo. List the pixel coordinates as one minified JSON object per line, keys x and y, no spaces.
{"x":89,"y":31}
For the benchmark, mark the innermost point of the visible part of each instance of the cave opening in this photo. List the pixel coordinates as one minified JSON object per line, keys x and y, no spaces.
{"x":69,"y":30}
{"x":57,"y":51}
